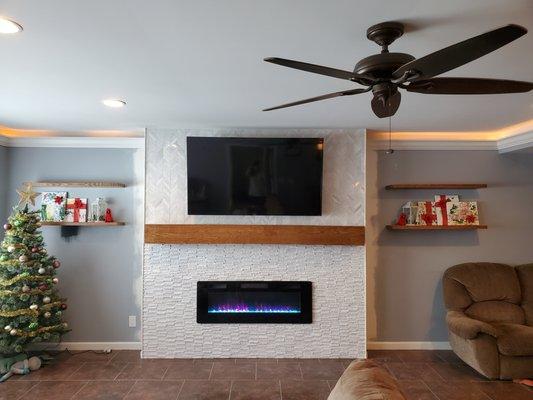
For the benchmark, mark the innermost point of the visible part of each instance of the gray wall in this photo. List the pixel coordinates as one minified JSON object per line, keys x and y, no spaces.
{"x":101,"y":267}
{"x":3,"y":184}
{"x":405,"y":268}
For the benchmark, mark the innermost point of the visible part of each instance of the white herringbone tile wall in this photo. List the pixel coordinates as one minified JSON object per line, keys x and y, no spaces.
{"x":170,"y":272}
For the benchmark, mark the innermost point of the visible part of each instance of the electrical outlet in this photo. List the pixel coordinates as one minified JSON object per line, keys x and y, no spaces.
{"x":132,"y":321}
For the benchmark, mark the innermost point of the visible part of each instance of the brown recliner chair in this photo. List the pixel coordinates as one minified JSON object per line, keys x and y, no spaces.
{"x":490,"y":317}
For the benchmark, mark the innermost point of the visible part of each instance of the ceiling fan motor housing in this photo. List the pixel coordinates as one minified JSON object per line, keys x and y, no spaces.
{"x":381,"y":66}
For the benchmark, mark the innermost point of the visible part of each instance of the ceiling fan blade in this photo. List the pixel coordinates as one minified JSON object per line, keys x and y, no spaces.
{"x":323,"y":97}
{"x":461,"y":53}
{"x":317,"y":69}
{"x":468,"y":86}
{"x":386,"y":106}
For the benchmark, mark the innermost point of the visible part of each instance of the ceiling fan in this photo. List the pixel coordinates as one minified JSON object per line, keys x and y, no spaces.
{"x":385,"y":73}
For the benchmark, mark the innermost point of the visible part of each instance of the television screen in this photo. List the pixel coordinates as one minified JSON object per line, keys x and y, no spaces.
{"x":254,"y":176}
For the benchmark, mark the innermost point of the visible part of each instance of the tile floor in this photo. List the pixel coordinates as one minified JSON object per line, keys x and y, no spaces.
{"x":423,"y":375}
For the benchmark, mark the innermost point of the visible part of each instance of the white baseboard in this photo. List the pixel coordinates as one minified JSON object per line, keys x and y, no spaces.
{"x":373,"y":345}
{"x":88,"y":346}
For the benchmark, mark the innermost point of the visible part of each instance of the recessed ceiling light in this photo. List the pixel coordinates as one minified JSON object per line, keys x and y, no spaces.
{"x":8,"y":26}
{"x":114,"y":103}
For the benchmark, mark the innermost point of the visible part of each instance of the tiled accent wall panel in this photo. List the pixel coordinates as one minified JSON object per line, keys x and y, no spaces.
{"x":170,"y":272}
{"x":169,"y":315}
{"x":343,"y":182}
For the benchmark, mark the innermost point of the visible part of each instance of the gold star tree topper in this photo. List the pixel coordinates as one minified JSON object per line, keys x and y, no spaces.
{"x":27,"y":195}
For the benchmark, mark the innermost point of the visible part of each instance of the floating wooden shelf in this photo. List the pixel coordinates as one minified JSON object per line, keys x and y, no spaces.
{"x":255,"y":234}
{"x":81,"y":184}
{"x":90,"y":224}
{"x":435,"y":227}
{"x":436,"y":186}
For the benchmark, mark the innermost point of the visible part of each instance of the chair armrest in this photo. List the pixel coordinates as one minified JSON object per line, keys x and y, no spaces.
{"x":466,"y":327}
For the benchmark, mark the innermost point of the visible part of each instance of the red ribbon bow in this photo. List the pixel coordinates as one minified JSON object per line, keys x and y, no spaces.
{"x":470,"y":219}
{"x":442,"y":205}
{"x":428,"y":217}
{"x":76,"y":206}
{"x":58,"y":199}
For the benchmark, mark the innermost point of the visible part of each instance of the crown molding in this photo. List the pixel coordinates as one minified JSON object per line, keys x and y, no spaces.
{"x":74,"y":142}
{"x":516,"y":142}
{"x":380,"y":144}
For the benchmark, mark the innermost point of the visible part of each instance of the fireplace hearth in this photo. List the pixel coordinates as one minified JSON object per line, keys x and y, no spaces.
{"x":275,"y":302}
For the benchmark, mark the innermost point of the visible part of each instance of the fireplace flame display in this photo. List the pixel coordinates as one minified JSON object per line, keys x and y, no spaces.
{"x":260,"y":302}
{"x":245,"y":308}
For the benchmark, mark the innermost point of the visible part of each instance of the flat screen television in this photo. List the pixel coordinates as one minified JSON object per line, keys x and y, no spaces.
{"x":254,"y":176}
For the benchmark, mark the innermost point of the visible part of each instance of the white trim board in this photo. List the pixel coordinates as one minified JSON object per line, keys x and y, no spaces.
{"x":74,"y":142}
{"x":77,"y":346}
{"x":371,"y":345}
{"x":374,"y":345}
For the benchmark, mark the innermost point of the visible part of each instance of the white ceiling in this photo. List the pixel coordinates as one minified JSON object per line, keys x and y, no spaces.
{"x":199,"y":63}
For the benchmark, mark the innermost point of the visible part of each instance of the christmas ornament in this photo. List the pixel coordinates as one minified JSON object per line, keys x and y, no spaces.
{"x":64,"y":306}
{"x":65,"y":325}
{"x":56,"y":264}
{"x":25,"y":288}
{"x":23,"y":258}
{"x":47,"y":315}
{"x":11,"y":248}
{"x":8,"y":327}
{"x":46,"y":300}
{"x":55,"y":280}
{"x":13,"y":332}
{"x":43,"y":287}
{"x":34,"y":249}
{"x":7,"y":227}
{"x":41,"y":270}
{"x":43,"y":251}
{"x":34,"y":307}
{"x":27,"y":195}
{"x":59,"y":313}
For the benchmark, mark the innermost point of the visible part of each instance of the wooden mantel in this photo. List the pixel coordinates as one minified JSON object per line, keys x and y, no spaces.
{"x":254,"y":234}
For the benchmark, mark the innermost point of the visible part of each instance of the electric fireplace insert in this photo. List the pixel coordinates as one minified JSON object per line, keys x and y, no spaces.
{"x":263,"y":302}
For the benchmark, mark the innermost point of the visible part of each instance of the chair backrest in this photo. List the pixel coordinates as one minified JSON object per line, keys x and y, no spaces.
{"x":525,"y":275}
{"x":485,"y":291}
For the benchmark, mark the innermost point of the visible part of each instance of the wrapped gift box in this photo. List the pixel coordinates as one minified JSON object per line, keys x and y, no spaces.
{"x":53,"y":206}
{"x":426,"y":214}
{"x":76,"y":210}
{"x":441,"y":201}
{"x":463,"y":213}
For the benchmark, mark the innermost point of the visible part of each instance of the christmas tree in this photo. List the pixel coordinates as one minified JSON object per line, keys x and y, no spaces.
{"x":30,"y":306}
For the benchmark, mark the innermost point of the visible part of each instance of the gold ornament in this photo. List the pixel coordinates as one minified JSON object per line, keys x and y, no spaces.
{"x":27,"y":195}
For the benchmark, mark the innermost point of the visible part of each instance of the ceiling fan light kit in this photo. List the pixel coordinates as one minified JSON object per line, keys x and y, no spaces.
{"x":385,"y":73}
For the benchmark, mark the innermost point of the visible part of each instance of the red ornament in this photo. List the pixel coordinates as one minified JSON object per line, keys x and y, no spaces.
{"x":64,"y":306}
{"x":35,"y":249}
{"x":402,"y":220}
{"x":108,"y":216}
{"x":8,"y":227}
{"x":43,"y":287}
{"x":56,"y":264}
{"x":58,"y":199}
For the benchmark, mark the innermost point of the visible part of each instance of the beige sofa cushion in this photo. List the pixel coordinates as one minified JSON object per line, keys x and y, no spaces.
{"x":365,"y":380}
